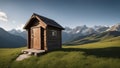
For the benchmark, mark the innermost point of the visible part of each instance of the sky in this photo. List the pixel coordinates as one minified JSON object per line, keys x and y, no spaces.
{"x":15,"y":13}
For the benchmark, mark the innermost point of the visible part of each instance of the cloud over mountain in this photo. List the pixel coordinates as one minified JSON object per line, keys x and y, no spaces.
{"x":3,"y":16}
{"x":20,"y":27}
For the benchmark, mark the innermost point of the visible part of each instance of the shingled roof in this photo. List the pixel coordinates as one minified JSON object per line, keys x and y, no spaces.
{"x":47,"y":21}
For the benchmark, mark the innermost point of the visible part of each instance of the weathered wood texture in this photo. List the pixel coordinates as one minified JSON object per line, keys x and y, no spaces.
{"x":42,"y":35}
{"x":53,"y":42}
{"x":35,"y":38}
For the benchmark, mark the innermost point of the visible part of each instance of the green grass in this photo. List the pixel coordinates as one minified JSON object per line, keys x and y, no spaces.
{"x":103,"y":54}
{"x":95,"y":38}
{"x":7,"y":55}
{"x":113,"y":42}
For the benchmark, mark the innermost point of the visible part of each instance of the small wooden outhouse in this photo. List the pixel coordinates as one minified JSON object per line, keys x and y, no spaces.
{"x":43,"y":33}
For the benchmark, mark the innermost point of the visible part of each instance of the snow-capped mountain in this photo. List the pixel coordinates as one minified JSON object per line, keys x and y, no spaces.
{"x":79,"y":29}
{"x":71,"y":33}
{"x":18,"y":33}
{"x":83,"y":30}
{"x":88,"y":31}
{"x":67,"y":30}
{"x":100,"y":29}
{"x":115,"y":27}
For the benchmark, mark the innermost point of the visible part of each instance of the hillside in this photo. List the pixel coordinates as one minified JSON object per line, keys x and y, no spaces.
{"x":94,"y":37}
{"x":71,"y":33}
{"x":8,"y":40}
{"x":103,"y":54}
{"x":96,"y":50}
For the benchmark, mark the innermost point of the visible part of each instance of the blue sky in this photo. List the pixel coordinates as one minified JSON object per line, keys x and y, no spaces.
{"x":15,"y":13}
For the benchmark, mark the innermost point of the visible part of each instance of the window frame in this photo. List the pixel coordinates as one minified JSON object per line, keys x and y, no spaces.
{"x":54,"y":33}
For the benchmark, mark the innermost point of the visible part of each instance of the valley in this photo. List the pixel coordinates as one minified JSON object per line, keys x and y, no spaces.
{"x":103,"y":54}
{"x":95,"y":50}
{"x":59,"y":33}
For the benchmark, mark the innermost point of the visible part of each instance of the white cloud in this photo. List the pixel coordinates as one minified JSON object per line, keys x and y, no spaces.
{"x":3,"y":17}
{"x":20,"y":27}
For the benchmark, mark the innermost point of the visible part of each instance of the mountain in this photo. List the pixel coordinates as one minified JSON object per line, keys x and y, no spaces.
{"x":18,"y":33}
{"x":69,"y":34}
{"x":100,"y":29}
{"x":8,"y":40}
{"x":76,"y":30}
{"x":95,"y":37}
{"x":115,"y":27}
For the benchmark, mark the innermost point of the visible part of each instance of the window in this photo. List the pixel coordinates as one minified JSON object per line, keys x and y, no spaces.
{"x":54,"y":32}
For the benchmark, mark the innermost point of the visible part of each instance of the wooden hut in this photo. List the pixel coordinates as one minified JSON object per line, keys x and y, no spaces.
{"x":43,"y":33}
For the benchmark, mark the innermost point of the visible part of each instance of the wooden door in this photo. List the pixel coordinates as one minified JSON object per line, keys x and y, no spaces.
{"x":35,"y":37}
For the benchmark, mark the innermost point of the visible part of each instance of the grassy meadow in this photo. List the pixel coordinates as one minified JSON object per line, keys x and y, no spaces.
{"x":103,"y":54}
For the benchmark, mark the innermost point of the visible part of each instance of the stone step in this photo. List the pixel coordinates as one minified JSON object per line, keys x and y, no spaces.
{"x":22,"y":57}
{"x":33,"y":52}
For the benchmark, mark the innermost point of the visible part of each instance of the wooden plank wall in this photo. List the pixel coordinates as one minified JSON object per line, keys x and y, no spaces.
{"x":53,"y":42}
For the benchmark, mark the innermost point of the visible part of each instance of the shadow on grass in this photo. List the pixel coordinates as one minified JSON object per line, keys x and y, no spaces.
{"x":111,"y":52}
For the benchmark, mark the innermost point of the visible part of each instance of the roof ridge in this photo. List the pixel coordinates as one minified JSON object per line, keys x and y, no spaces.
{"x":48,"y":21}
{"x":43,"y":16}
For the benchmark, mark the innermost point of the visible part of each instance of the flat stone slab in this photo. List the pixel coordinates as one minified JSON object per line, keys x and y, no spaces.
{"x":27,"y":53}
{"x":22,"y":57}
{"x":33,"y":51}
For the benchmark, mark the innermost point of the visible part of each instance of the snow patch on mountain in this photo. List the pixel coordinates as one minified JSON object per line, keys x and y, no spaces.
{"x":115,"y":27}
